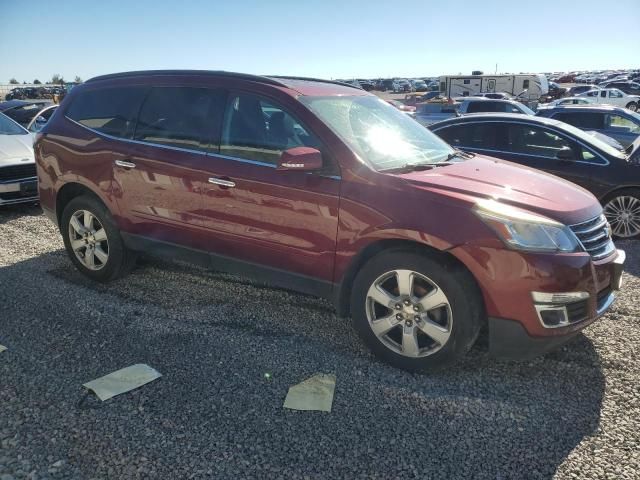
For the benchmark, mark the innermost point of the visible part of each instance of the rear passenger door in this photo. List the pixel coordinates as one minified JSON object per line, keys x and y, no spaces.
{"x":158,"y":173}
{"x":284,"y":220}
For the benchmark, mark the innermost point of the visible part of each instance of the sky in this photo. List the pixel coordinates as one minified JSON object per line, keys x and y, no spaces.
{"x":325,"y":39}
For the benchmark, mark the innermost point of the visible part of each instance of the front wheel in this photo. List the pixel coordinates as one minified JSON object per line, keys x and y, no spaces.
{"x":632,"y":106}
{"x":93,"y":241}
{"x":622,"y":210}
{"x":416,"y":311}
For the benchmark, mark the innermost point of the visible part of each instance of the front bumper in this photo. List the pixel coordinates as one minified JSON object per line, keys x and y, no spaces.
{"x":511,"y":281}
{"x":19,"y":191}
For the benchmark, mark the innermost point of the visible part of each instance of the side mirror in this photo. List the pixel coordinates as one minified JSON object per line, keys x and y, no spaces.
{"x":305,"y":159}
{"x":565,"y":153}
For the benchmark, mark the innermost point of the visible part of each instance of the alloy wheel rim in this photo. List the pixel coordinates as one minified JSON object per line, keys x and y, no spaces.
{"x":409,"y":313}
{"x":623,"y":214}
{"x":633,"y":107}
{"x":88,"y":240}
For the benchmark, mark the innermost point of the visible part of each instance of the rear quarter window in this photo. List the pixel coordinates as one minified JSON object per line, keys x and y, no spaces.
{"x":111,"y":111}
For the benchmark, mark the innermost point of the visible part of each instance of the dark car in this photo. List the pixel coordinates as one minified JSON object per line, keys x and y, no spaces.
{"x":561,"y":149}
{"x":630,"y":88}
{"x":327,"y":189}
{"x":486,"y":105}
{"x":618,"y":123}
{"x":22,"y":111}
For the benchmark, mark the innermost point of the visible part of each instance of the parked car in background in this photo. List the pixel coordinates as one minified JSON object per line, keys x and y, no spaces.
{"x":41,"y":119}
{"x":567,"y":101}
{"x":403,"y":85}
{"x":323,"y":188}
{"x":493,"y":95}
{"x":484,"y":105}
{"x":401,"y":106}
{"x":628,"y":87}
{"x":435,"y":111}
{"x":366,"y":85}
{"x":419,"y":86}
{"x":573,"y":91}
{"x":561,"y":149}
{"x":618,"y":123}
{"x":613,"y":96}
{"x":18,"y":182}
{"x":22,"y":111}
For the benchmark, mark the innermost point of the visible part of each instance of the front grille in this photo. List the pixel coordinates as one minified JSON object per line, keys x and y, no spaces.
{"x":17,"y":172}
{"x":595,"y":237}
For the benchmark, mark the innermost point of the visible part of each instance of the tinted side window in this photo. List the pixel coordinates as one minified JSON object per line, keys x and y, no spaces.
{"x":584,"y":120}
{"x":476,"y":107}
{"x":108,"y":110}
{"x":257,"y":129}
{"x":532,"y":140}
{"x":185,"y":117}
{"x":471,"y":135}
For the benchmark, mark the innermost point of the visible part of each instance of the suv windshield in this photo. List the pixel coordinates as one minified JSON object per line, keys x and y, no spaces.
{"x":380,"y":134}
{"x":9,"y":127}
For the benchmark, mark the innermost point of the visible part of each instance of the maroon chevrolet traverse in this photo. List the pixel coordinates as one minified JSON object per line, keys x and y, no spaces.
{"x":323,"y":188}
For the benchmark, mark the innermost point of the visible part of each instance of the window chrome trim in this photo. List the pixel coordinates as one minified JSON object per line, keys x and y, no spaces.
{"x":564,"y":134}
{"x":138,"y":142}
{"x":188,"y":150}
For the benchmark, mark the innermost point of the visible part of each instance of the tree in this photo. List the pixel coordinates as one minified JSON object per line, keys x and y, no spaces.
{"x":37,"y":82}
{"x":57,"y":78}
{"x":77,"y":79}
{"x":13,"y":81}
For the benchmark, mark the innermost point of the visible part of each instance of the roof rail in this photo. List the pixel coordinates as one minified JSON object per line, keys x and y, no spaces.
{"x":310,"y":79}
{"x":214,"y":73}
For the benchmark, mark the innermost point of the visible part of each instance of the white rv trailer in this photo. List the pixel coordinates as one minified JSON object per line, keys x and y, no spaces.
{"x":527,"y":87}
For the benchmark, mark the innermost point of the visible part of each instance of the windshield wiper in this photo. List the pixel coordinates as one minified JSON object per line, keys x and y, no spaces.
{"x":415,"y":167}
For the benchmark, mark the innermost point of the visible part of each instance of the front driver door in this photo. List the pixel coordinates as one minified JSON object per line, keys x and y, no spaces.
{"x":284,"y":220}
{"x":538,"y":147}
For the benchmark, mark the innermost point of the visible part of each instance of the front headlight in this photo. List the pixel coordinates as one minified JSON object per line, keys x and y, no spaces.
{"x":524,"y":230}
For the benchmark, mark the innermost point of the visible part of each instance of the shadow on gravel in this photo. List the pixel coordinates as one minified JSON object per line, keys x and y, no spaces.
{"x":213,"y":410}
{"x":11,"y":212}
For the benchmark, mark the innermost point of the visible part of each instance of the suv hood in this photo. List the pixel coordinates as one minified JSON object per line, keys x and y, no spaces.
{"x":15,"y":149}
{"x":513,"y":184}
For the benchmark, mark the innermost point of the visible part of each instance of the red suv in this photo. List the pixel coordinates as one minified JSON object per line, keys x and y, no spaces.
{"x":323,"y":188}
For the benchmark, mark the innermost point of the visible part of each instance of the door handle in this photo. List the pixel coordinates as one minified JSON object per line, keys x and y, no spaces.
{"x":125,"y":164}
{"x":222,"y":182}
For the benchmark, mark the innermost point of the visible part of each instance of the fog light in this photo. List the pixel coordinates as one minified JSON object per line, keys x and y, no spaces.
{"x":560,"y":309}
{"x":554,"y":318}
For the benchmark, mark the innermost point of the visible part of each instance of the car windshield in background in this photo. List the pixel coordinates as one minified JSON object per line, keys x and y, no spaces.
{"x":9,"y":127}
{"x":590,"y":139}
{"x":382,"y":135}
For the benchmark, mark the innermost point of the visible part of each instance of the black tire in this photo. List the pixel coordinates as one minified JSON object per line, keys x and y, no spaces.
{"x":459,"y":286}
{"x":632,"y":106}
{"x":609,"y":212}
{"x":120,"y":259}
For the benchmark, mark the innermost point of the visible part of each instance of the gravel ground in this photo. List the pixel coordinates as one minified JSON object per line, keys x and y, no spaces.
{"x":574,"y":413}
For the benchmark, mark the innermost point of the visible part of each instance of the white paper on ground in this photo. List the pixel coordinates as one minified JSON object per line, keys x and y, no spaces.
{"x":122,"y":381}
{"x":2,"y":348}
{"x":315,"y":393}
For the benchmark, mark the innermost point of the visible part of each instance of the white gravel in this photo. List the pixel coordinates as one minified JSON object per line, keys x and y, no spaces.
{"x":573,"y":414}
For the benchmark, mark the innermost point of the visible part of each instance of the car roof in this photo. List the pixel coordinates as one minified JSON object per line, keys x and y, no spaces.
{"x":300,"y":85}
{"x":12,"y":104}
{"x":587,"y":108}
{"x":495,"y":117}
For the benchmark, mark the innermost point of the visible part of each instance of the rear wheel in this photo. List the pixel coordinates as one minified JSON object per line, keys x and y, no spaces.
{"x":632,"y":106}
{"x":622,"y":210}
{"x":416,"y":311}
{"x":93,"y":241}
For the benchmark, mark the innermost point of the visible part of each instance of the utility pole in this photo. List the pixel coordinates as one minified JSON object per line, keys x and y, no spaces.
{"x":496,"y":69}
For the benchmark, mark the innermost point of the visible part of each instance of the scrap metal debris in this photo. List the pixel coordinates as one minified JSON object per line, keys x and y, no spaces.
{"x":122,"y":381}
{"x":315,"y":393}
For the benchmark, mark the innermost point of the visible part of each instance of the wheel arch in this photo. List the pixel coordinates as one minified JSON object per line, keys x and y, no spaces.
{"x":68,"y":192}
{"x":343,"y":291}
